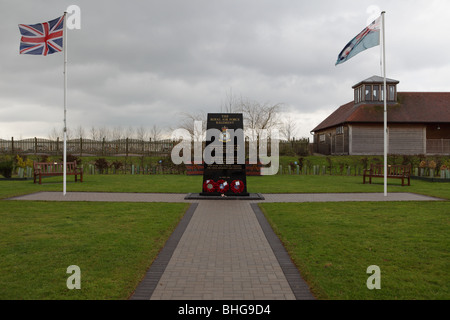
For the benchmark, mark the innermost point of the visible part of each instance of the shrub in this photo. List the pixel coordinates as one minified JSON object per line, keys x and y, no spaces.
{"x":117,"y":164}
{"x":101,"y":164}
{"x":6,"y":168}
{"x":300,"y":163}
{"x":24,"y":162}
{"x":432,"y":164}
{"x":407,"y":159}
{"x":365,"y":162}
{"x":72,"y":158}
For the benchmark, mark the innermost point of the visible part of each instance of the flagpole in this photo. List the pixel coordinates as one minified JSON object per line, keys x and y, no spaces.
{"x":385,"y":108}
{"x":65,"y":102}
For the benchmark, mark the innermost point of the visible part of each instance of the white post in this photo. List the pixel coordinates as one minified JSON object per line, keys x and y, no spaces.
{"x":65,"y":102}
{"x":385,"y":109}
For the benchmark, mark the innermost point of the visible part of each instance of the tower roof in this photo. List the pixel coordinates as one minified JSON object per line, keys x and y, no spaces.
{"x":376,"y":79}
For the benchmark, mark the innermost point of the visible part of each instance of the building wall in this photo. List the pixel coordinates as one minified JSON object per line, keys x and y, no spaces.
{"x":407,"y":139}
{"x":403,"y":139}
{"x":340,"y":141}
{"x":366,"y":139}
{"x":438,"y":139}
{"x":333,"y":141}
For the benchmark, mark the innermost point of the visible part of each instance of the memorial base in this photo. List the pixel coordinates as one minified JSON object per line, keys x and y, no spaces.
{"x":242,"y":196}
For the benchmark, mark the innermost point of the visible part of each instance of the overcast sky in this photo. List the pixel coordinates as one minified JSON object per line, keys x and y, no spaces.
{"x":142,"y":63}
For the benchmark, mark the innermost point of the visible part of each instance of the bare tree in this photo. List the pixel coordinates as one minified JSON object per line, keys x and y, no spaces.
{"x":94,"y":132}
{"x":129,"y":132}
{"x":188,"y":122}
{"x":231,"y":103}
{"x":54,"y":134}
{"x":141,"y":133}
{"x":103,"y":133}
{"x":155,"y":133}
{"x":258,"y":116}
{"x":80,"y":132}
{"x":288,"y":128}
{"x":117,"y":133}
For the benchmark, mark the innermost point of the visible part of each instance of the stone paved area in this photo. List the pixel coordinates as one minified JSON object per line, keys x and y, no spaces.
{"x":177,"y":197}
{"x":222,"y":249}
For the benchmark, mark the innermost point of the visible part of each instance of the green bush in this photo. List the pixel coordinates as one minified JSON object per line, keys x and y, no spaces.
{"x":6,"y":168}
{"x":102,"y":165}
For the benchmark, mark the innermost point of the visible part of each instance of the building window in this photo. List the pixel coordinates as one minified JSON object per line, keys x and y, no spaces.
{"x":375,"y":93}
{"x":391,"y":96}
{"x":340,"y":130}
{"x":367,"y":92}
{"x":322,"y":137}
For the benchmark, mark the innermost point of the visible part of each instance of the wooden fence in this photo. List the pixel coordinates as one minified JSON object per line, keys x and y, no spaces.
{"x":122,"y":147}
{"x":87,"y":147}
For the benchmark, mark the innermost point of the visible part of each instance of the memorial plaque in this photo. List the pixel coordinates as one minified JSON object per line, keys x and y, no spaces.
{"x":224,"y":156}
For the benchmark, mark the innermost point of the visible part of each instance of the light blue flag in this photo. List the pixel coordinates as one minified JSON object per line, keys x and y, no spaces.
{"x":368,"y":38}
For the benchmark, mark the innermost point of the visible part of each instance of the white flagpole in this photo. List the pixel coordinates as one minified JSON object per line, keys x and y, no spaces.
{"x":65,"y":102}
{"x":385,"y":108}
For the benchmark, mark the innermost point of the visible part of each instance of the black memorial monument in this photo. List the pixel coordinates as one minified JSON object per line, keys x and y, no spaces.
{"x":224,"y":157}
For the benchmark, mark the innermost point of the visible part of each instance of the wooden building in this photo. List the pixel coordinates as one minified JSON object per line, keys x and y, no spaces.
{"x":418,"y":122}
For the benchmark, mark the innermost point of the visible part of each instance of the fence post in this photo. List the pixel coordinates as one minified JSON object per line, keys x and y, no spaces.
{"x":103,"y":146}
{"x":12,"y":145}
{"x":35,"y":145}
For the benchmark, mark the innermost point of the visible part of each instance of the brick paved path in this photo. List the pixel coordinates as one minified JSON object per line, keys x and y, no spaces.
{"x":223,"y":254}
{"x":222,"y":249}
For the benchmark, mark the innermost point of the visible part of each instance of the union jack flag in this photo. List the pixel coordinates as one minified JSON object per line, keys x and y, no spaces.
{"x":42,"y":38}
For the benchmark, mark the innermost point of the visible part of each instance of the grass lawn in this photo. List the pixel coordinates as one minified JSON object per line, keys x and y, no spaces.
{"x":334,"y":243}
{"x":112,"y":243}
{"x":186,"y":184}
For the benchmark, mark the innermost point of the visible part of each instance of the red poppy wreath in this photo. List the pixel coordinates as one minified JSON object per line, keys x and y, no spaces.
{"x":222,"y":186}
{"x":237,"y":186}
{"x":209,"y":185}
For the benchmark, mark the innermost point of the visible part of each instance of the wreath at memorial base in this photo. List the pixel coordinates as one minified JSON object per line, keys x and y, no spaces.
{"x":237,"y":186}
{"x":222,"y":186}
{"x":209,"y":185}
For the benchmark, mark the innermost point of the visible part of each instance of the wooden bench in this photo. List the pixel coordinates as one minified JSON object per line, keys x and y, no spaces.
{"x":393,"y":171}
{"x":48,"y":169}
